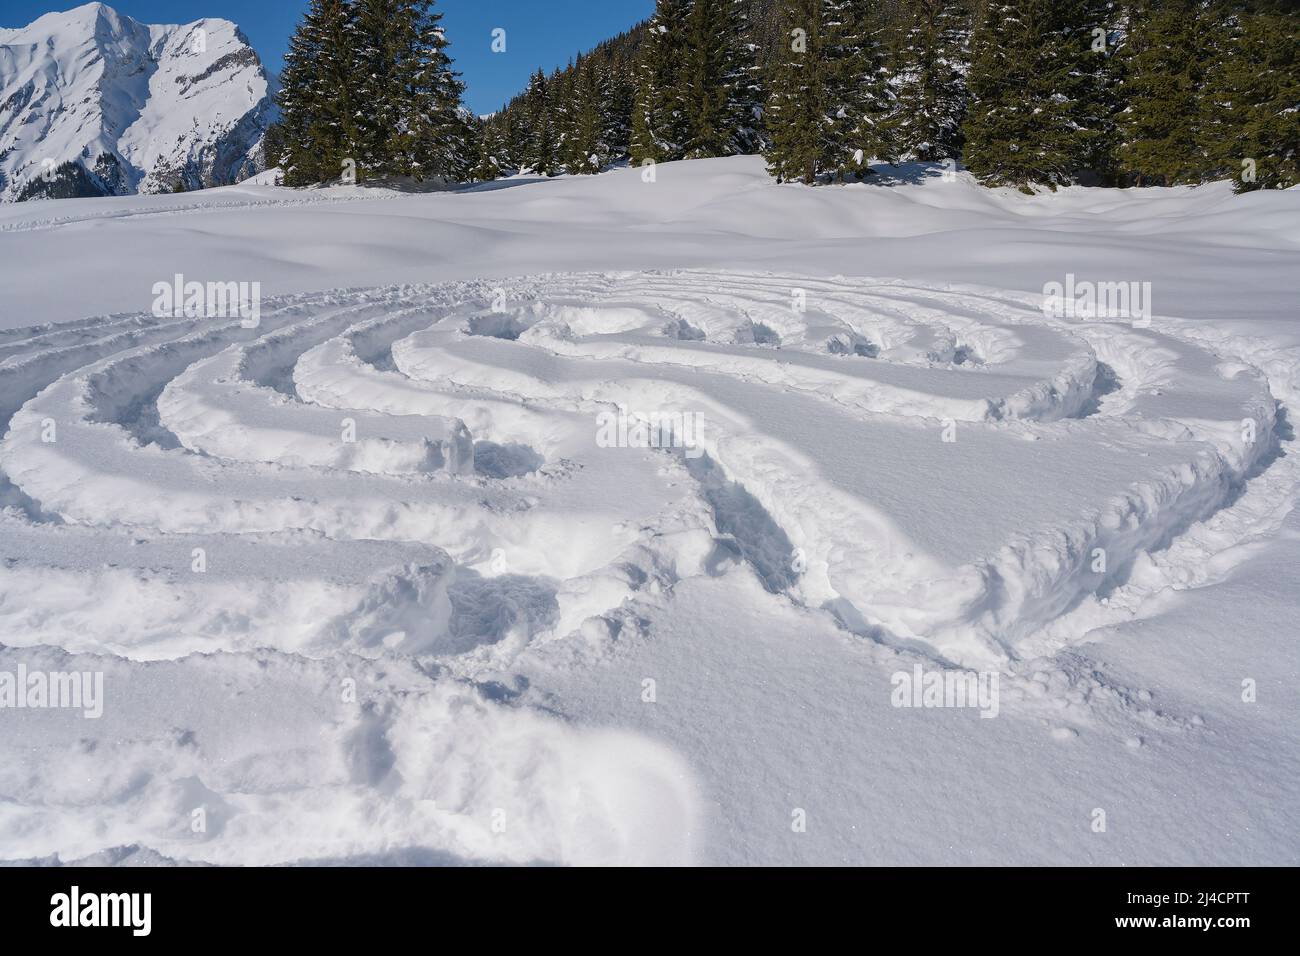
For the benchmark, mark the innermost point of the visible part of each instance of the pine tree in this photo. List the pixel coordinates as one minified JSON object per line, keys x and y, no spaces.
{"x":319,"y":95}
{"x":619,"y":91}
{"x":293,"y":153}
{"x":1165,"y":57}
{"x":1085,"y":38}
{"x":1031,"y":98}
{"x":368,"y":85}
{"x":1251,"y":123}
{"x":1100,"y":87}
{"x":717,"y":83}
{"x":438,"y":129}
{"x":658,"y":120}
{"x":587,"y":151}
{"x":384,"y":33}
{"x":518,"y":134}
{"x":930,"y":63}
{"x":562,"y":106}
{"x":493,"y":159}
{"x":796,"y":105}
{"x":829,"y":92}
{"x":860,"y":99}
{"x":540,"y":151}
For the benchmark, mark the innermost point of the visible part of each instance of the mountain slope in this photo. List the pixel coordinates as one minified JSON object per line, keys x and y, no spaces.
{"x":94,"y":103}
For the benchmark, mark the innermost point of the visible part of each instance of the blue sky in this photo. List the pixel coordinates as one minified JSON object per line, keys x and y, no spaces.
{"x":545,"y":33}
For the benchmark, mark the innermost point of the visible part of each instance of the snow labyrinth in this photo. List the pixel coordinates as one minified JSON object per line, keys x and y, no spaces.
{"x":421,"y":470}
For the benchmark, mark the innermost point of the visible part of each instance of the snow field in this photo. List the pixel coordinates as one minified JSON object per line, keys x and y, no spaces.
{"x":195,"y":435}
{"x":477,"y":516}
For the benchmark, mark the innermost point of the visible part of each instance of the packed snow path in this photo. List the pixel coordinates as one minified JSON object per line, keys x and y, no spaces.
{"x":462,"y":473}
{"x":849,"y":439}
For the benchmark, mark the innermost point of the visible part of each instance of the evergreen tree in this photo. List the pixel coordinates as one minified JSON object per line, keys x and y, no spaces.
{"x":619,"y":91}
{"x":319,"y":97}
{"x":659,"y":129}
{"x":717,"y":85}
{"x":540,"y":149}
{"x":384,"y":33}
{"x":828,"y":92}
{"x":617,"y":62}
{"x":562,"y":91}
{"x":1100,"y":85}
{"x":493,"y":153}
{"x":930,"y":63}
{"x":1033,"y":105}
{"x":439,"y":130}
{"x":368,"y":83}
{"x":518,"y":136}
{"x":1165,"y":58}
{"x":587,"y":151}
{"x":797,"y":103}
{"x":1251,"y":124}
{"x":859,"y":97}
{"x":1090,"y":35}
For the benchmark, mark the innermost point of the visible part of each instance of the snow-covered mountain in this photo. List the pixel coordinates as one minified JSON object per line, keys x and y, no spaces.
{"x":95,"y":103}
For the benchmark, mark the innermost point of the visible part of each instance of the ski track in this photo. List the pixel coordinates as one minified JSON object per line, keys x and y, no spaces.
{"x":476,"y":516}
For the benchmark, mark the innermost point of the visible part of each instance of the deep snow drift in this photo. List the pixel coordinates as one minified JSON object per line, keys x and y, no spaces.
{"x":592,"y":521}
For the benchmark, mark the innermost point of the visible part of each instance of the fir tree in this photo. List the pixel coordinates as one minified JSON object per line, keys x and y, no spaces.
{"x":658,"y":120}
{"x":440,"y":133}
{"x":797,"y":103}
{"x":1165,"y":57}
{"x":588,"y":152}
{"x":540,"y":149}
{"x":1251,"y":123}
{"x":828,"y":92}
{"x":1032,"y":108}
{"x":318,"y":98}
{"x":717,"y":86}
{"x":930,"y":62}
{"x":384,"y":34}
{"x":1086,"y":35}
{"x":619,"y":91}
{"x":493,"y":150}
{"x":368,"y":85}
{"x":562,"y":106}
{"x":517,"y":133}
{"x":859,"y":97}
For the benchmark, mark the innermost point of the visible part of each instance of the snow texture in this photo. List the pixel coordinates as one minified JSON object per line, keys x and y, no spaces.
{"x":470,"y":630}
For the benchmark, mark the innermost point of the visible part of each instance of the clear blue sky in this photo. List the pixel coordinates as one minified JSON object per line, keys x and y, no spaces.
{"x":546,"y":33}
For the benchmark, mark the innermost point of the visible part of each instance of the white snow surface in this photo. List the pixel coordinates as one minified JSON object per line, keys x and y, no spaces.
{"x":477,"y":634}
{"x":162,"y":99}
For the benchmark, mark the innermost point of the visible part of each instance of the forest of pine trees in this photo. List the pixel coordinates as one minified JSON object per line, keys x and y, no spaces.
{"x":1022,"y":92}
{"x":368,"y":90}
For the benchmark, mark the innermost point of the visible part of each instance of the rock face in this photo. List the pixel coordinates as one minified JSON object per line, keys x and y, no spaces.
{"x":93,"y":103}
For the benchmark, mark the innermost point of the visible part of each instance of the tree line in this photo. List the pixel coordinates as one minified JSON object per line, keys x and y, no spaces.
{"x":1022,"y":92}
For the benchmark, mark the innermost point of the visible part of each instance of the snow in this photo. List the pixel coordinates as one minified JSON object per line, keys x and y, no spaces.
{"x":477,"y":633}
{"x":161,"y":99}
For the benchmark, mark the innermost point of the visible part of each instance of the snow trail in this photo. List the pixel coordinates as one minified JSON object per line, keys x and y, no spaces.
{"x":468,"y":418}
{"x":455,"y":476}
